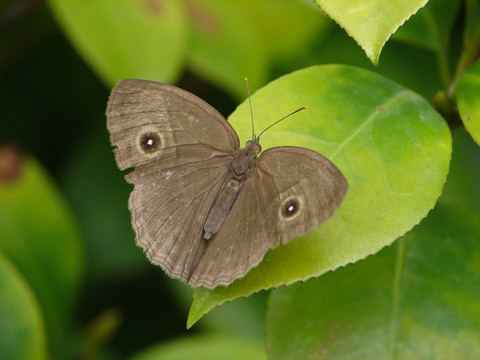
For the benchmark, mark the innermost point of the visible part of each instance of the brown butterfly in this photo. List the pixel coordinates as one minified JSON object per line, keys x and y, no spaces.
{"x":203,"y":209}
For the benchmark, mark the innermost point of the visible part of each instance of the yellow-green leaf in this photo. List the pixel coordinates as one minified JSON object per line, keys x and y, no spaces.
{"x":391,"y":145}
{"x":372,"y":22}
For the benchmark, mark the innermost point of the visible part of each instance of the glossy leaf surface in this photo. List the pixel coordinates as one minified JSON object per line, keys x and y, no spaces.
{"x":391,"y":145}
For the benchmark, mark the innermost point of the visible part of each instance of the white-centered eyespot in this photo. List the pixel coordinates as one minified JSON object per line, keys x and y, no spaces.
{"x":150,"y":142}
{"x":291,"y":207}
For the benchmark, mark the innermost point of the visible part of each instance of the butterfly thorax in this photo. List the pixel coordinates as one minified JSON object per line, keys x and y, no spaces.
{"x":246,"y":158}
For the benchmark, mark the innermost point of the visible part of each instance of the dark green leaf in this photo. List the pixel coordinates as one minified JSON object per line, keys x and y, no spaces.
{"x":415,"y":300}
{"x":462,"y":188}
{"x":431,"y":26}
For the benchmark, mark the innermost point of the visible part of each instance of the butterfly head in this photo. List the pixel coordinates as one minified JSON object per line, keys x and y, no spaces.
{"x":253,"y":146}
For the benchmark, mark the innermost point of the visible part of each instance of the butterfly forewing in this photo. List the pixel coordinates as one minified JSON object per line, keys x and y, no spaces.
{"x":141,"y":110}
{"x":181,"y":149}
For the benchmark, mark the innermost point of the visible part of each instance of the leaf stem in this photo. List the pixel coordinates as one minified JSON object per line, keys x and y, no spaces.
{"x":471,"y":43}
{"x":443,"y":63}
{"x":397,"y":286}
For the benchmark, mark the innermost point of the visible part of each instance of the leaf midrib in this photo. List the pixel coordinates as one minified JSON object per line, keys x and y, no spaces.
{"x":388,"y":104}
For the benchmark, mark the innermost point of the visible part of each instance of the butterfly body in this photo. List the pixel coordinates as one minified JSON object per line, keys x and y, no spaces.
{"x":242,"y":164}
{"x":203,"y":209}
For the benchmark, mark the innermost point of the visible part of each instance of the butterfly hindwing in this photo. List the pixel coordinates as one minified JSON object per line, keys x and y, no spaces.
{"x":290,"y":190}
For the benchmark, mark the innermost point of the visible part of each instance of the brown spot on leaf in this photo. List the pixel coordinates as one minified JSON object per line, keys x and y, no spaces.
{"x":154,"y":7}
{"x":203,"y":18}
{"x":10,"y":163}
{"x":469,"y":118}
{"x":381,"y":107}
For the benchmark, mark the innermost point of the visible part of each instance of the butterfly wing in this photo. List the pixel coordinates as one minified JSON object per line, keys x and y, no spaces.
{"x":290,"y":190}
{"x":181,"y":149}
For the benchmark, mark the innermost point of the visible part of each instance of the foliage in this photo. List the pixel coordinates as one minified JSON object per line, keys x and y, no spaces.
{"x":385,"y":277}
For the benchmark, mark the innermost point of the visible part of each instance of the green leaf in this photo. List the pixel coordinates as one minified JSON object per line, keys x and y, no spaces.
{"x":370,"y":23}
{"x":224,"y":45}
{"x":21,"y":325}
{"x":39,"y":235}
{"x":391,"y":145}
{"x":208,"y":347}
{"x":415,"y":300}
{"x":431,"y":26}
{"x":126,"y":39}
{"x":468,"y":100}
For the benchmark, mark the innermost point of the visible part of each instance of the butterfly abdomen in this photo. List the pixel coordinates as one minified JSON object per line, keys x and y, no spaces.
{"x":221,"y":208}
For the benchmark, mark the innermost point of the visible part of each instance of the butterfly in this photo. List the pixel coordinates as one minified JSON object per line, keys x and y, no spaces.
{"x":203,"y":209}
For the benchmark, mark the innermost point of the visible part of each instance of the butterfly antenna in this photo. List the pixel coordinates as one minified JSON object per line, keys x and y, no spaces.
{"x":276,"y":122}
{"x":251,"y":111}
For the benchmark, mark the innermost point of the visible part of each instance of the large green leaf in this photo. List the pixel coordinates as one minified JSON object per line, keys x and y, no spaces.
{"x":372,"y":22}
{"x":39,"y":235}
{"x":468,"y":100}
{"x":123,"y":39}
{"x":391,"y":145}
{"x":206,"y":347}
{"x":21,"y":326}
{"x":415,"y":300}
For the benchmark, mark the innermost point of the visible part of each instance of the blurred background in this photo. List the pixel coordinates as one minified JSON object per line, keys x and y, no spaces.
{"x":55,"y":80}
